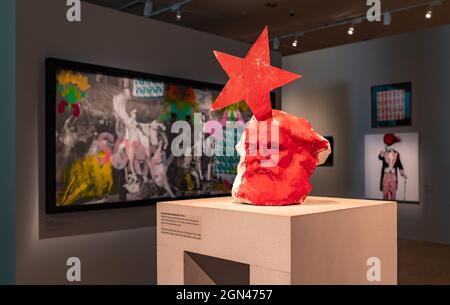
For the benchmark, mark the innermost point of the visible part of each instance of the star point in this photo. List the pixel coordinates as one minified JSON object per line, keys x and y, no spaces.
{"x":252,"y":78}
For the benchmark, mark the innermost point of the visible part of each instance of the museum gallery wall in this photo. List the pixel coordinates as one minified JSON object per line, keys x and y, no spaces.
{"x":40,"y":253}
{"x":338,"y":97}
{"x":125,"y":239}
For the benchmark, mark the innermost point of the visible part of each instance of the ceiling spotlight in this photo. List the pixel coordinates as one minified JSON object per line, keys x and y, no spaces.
{"x":355,"y":22}
{"x":178,"y":15}
{"x":295,"y":42}
{"x":148,"y":9}
{"x":276,"y":43}
{"x":177,"y":8}
{"x":387,"y":18}
{"x":429,"y":12}
{"x":351,"y":30}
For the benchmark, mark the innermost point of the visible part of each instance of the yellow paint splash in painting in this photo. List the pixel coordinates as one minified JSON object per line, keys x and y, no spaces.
{"x":77,"y":79}
{"x":87,"y":178}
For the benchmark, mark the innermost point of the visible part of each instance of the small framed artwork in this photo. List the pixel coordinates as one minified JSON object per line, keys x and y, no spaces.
{"x":391,"y":105}
{"x":330,"y":161}
{"x":392,"y":167}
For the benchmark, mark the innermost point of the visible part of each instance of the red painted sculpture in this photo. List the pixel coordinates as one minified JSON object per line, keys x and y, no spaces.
{"x":279,"y":152}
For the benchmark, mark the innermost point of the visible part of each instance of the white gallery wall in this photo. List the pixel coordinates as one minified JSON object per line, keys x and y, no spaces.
{"x":334,"y":94}
{"x":115,"y":246}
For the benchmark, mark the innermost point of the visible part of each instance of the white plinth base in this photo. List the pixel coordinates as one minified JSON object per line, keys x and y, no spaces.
{"x":324,"y":241}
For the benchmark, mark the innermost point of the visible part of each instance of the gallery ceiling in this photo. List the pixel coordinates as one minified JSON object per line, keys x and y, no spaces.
{"x":244,"y":19}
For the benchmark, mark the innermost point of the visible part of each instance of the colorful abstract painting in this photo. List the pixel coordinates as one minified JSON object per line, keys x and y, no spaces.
{"x":109,"y":138}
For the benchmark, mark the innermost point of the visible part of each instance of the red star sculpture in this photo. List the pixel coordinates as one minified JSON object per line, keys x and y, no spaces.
{"x":252,"y":78}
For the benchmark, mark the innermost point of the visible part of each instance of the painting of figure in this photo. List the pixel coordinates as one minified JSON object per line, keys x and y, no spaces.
{"x":392,"y":167}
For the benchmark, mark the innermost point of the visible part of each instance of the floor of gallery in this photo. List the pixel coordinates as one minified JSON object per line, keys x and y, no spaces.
{"x":423,"y":263}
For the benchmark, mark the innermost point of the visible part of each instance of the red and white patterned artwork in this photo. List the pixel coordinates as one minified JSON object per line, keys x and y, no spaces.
{"x":391,"y":105}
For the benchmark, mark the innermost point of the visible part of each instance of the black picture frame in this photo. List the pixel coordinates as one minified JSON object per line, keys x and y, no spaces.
{"x":51,"y":67}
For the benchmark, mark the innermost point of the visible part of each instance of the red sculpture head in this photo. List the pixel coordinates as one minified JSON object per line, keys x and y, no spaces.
{"x":275,"y":170}
{"x":280,"y":177}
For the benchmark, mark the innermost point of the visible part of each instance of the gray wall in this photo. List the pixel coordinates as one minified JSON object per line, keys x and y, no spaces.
{"x":335,"y":96}
{"x":7,"y":124}
{"x":115,"y":246}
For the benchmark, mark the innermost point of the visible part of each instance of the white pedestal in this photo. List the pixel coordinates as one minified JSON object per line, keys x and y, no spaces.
{"x":323,"y":241}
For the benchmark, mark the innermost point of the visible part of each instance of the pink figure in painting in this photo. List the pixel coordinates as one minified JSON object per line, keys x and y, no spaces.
{"x":391,"y":165}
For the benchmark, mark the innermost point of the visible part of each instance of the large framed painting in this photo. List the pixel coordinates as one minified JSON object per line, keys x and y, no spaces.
{"x":391,"y":105}
{"x":392,"y":167}
{"x":109,"y":138}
